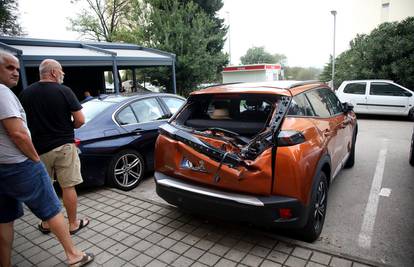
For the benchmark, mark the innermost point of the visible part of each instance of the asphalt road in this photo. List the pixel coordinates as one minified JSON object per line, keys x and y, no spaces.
{"x":370,"y":206}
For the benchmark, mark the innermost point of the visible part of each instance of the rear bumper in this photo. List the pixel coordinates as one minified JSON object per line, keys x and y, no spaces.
{"x":261,"y":210}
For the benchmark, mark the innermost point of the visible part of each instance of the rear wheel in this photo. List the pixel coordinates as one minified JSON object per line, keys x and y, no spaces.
{"x":126,"y":169}
{"x":351,"y":159}
{"x":319,"y":201}
{"x":411,"y":114}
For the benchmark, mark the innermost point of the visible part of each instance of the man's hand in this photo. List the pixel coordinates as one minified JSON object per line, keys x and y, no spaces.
{"x":20,"y":137}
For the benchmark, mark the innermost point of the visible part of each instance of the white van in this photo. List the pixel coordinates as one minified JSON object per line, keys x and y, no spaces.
{"x":377,"y":97}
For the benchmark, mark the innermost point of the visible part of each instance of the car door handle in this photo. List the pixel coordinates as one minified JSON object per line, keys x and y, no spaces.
{"x":137,"y":131}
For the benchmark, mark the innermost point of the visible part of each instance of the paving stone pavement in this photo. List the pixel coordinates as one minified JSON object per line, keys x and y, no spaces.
{"x":127,"y":230}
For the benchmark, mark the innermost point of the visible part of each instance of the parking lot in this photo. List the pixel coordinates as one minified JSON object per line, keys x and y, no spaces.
{"x":369,"y":221}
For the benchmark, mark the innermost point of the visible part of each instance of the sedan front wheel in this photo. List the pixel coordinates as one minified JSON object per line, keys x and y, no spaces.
{"x":126,"y":170}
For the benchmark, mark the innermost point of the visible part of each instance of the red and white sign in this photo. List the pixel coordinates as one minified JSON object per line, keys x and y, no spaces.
{"x":253,"y":67}
{"x":253,"y":73}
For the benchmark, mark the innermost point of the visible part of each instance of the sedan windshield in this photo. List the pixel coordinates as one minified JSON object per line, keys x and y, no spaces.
{"x":94,"y":107}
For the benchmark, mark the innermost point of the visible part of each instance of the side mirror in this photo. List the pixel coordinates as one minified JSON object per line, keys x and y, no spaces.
{"x":347,"y":107}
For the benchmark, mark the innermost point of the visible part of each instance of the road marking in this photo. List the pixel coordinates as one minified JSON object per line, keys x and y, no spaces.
{"x":364,"y":239}
{"x":385,"y":192}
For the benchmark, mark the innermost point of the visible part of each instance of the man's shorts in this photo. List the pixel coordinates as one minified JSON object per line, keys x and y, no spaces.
{"x":63,"y":164}
{"x":26,"y":182}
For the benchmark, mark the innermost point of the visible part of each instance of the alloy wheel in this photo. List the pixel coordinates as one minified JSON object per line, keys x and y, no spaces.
{"x":320,"y":206}
{"x":128,"y":170}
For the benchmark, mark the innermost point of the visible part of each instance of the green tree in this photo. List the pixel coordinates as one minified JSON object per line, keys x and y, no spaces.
{"x":182,"y":28}
{"x":257,"y":55}
{"x":8,"y":18}
{"x":189,"y":29}
{"x":102,"y":20}
{"x":386,"y":53}
{"x":302,"y":74}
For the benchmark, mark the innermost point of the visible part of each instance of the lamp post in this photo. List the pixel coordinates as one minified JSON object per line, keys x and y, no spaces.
{"x":229,"y":34}
{"x":333,"y":12}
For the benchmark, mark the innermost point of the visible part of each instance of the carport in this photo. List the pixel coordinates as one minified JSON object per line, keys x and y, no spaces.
{"x":84,"y":63}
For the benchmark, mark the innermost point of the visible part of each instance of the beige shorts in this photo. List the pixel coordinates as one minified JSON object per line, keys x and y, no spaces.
{"x":63,"y":163}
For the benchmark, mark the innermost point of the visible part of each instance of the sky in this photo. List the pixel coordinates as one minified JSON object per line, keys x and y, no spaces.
{"x":300,"y":29}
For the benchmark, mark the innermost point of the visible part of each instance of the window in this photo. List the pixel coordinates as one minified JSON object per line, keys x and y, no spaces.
{"x":387,"y":89}
{"x":355,"y":88}
{"x":147,"y":110}
{"x":335,"y":105}
{"x":319,"y":102}
{"x":173,"y":103}
{"x":109,"y":83}
{"x":385,"y":12}
{"x":126,"y":116}
{"x":94,"y":107}
{"x":300,"y":106}
{"x":254,"y":105}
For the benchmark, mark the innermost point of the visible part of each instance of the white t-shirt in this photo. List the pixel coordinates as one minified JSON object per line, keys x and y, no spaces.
{"x":10,"y":107}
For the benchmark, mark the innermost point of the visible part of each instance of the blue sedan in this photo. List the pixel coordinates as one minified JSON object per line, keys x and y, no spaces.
{"x":116,"y":144}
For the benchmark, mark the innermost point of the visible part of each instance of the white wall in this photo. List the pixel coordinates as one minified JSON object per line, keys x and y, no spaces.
{"x":244,"y":76}
{"x":401,"y":9}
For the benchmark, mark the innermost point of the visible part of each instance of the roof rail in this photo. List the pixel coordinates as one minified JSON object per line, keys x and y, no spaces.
{"x":303,"y":83}
{"x":220,"y":84}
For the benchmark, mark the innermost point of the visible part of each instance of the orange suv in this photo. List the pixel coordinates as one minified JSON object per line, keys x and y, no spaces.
{"x":265,"y":153}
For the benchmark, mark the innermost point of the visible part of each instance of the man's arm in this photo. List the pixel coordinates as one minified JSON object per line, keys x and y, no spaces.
{"x":20,"y":137}
{"x":78,"y":119}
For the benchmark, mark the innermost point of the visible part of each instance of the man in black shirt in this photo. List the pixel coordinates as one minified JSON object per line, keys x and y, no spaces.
{"x":50,"y":107}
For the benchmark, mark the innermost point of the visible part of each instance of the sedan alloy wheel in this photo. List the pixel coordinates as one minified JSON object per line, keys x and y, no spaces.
{"x":126,"y":169}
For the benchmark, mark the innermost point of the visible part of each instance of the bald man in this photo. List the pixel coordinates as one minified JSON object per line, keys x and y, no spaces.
{"x":23,"y":178}
{"x":50,"y":107}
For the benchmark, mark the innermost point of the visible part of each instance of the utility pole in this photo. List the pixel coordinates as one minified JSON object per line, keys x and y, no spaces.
{"x":333,"y":12}
{"x":229,"y":36}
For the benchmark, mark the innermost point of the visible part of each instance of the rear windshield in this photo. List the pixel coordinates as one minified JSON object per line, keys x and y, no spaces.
{"x":246,"y":114}
{"x":92,"y":108}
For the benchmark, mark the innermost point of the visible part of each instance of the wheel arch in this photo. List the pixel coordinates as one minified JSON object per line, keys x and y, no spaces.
{"x":108,"y":178}
{"x":324,"y":166}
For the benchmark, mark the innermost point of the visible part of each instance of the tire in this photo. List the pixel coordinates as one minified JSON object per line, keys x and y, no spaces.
{"x":412,"y":151}
{"x":317,"y":213}
{"x":126,"y":170}
{"x":411,"y":114}
{"x":351,"y":159}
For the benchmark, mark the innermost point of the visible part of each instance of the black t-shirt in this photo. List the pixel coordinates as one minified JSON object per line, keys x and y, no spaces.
{"x":49,"y":108}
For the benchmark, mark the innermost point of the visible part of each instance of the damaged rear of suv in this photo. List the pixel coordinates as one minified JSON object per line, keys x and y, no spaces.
{"x":262,"y":153}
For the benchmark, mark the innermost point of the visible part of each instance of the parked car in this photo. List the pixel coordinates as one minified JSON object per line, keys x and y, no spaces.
{"x":412,"y":150}
{"x":378,"y":97}
{"x":264,"y":153}
{"x":116,"y":144}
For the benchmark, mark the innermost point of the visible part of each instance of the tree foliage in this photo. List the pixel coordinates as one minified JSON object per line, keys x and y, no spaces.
{"x":302,"y":74}
{"x":258,"y":55}
{"x":183,"y":28}
{"x":8,"y":18}
{"x":190,"y":29}
{"x":102,"y":20}
{"x":386,"y":53}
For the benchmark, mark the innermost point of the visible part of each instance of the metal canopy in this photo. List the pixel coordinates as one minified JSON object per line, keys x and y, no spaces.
{"x":31,"y":52}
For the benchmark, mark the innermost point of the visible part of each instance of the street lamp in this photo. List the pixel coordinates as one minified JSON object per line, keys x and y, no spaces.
{"x":333,"y":12}
{"x":229,"y":34}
